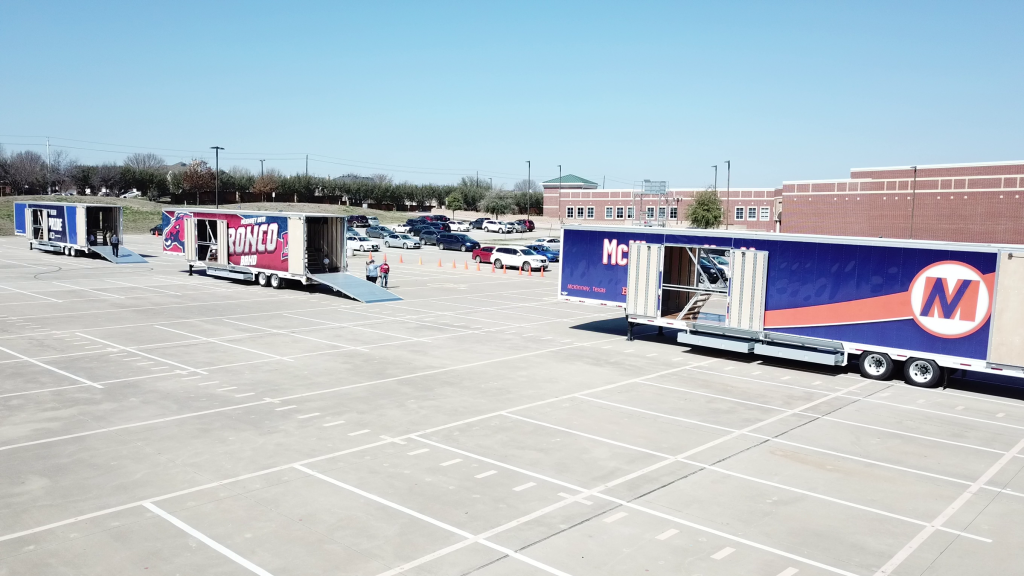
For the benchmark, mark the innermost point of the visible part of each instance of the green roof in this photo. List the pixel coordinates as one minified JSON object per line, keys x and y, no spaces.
{"x":571,"y":179}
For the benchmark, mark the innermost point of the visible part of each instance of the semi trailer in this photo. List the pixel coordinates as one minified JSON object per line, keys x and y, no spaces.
{"x":269,"y":248}
{"x":922,"y":308}
{"x":73,"y":229}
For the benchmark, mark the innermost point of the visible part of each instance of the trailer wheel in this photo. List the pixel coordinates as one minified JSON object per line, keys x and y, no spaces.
{"x":922,"y":372}
{"x":262,"y":279}
{"x":498,"y":264}
{"x":276,"y":282}
{"x":875,"y":365}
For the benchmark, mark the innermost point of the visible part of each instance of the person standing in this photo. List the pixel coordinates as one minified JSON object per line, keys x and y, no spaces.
{"x":385,"y":268}
{"x":372,"y":269}
{"x":114,"y":241}
{"x":106,"y":238}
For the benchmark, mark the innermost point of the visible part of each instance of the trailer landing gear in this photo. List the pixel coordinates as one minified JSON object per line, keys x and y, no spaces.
{"x":189,"y":269}
{"x":629,"y":331}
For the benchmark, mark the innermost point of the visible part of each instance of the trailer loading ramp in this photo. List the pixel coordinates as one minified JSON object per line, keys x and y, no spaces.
{"x":125,"y":256}
{"x":355,"y":287}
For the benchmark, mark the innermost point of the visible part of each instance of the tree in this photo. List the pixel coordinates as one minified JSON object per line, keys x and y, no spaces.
{"x":454,"y":202}
{"x":525,"y":185}
{"x":144,"y":161}
{"x":108,"y":180}
{"x":266,"y":185}
{"x":61,"y":170}
{"x":382,"y":179}
{"x":498,"y":203}
{"x":473,"y":192}
{"x":706,"y":209}
{"x":26,"y":172}
{"x":198,"y":177}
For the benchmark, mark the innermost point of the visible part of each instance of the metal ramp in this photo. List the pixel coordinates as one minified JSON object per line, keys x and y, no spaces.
{"x":125,"y":256}
{"x":355,"y":287}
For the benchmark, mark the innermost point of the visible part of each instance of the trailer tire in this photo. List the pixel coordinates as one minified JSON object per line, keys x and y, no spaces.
{"x":262,"y":279}
{"x":276,"y":282}
{"x":922,"y":372}
{"x":875,"y":365}
{"x":498,"y":264}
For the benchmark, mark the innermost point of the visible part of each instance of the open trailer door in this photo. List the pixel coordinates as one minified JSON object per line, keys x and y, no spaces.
{"x":643,"y":279}
{"x":1006,"y":341}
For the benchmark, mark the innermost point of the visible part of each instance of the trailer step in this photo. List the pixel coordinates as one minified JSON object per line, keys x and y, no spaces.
{"x":355,"y":287}
{"x":230,"y":274}
{"x":715,"y":341}
{"x":125,"y":256}
{"x":802,"y":354}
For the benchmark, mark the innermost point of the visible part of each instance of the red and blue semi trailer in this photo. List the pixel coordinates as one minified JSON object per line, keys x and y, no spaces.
{"x":269,"y":248}
{"x":921,"y":306}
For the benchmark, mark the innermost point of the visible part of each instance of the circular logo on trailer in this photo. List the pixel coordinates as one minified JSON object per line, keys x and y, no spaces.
{"x":950,"y":299}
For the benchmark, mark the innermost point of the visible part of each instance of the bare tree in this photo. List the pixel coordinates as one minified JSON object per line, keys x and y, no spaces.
{"x":144,"y":161}
{"x":108,"y":179}
{"x":62,"y":170}
{"x":240,"y":172}
{"x":525,"y":185}
{"x":26,"y":172}
{"x":382,"y":179}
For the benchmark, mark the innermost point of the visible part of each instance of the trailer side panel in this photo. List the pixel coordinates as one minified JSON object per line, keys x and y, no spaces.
{"x":932,"y":300}
{"x":254,"y":240}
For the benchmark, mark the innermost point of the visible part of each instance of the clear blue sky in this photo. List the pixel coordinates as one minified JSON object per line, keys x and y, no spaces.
{"x":431,"y":91}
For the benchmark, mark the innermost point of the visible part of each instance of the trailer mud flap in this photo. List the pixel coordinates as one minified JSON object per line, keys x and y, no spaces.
{"x":125,"y":256}
{"x":355,"y":287}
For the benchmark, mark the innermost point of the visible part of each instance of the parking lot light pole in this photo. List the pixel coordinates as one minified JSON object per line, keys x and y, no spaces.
{"x":261,"y":168}
{"x":560,"y":195}
{"x":528,"y":188}
{"x":216,"y":175}
{"x":913,"y":202}
{"x":728,"y":179}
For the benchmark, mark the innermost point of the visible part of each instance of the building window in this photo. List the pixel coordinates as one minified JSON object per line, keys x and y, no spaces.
{"x":650,"y":212}
{"x":579,"y":212}
{"x":739,"y":213}
{"x":608,"y":212}
{"x":569,"y":212}
{"x":752,"y":213}
{"x":619,"y":212}
{"x":765,"y":212}
{"x":661,"y":213}
{"x":590,"y":212}
{"x":629,"y":213}
{"x":673,"y":213}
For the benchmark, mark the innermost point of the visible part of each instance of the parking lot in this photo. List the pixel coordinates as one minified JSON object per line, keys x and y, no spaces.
{"x":156,"y":423}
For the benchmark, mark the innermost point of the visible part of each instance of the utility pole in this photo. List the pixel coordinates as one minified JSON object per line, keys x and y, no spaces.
{"x":529,"y":189}
{"x":728,"y":178}
{"x":602,"y":182}
{"x":913,"y":202}
{"x":216,"y":175}
{"x":560,"y":194}
{"x":261,"y":168}
{"x":47,"y":165}
{"x":491,"y":185}
{"x":477,"y":178}
{"x":307,"y":164}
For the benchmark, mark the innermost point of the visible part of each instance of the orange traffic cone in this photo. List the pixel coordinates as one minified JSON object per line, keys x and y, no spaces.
{"x":541,"y":272}
{"x":529,"y":271}
{"x":492,"y":268}
{"x":400,"y":260}
{"x":421,"y":261}
{"x":466,"y":265}
{"x":453,"y":264}
{"x":438,"y":262}
{"x":477,"y":266}
{"x":385,"y":256}
{"x":504,"y":269}
{"x":520,"y":270}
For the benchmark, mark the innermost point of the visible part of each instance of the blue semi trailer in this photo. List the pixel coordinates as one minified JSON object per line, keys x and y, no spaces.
{"x":921,"y":306}
{"x":66,"y":228}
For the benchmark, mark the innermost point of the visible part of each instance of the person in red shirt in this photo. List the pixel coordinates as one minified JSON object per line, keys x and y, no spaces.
{"x":385,"y":268}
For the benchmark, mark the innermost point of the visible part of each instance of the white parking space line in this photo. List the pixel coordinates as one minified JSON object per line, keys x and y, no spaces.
{"x":309,"y":415}
{"x":228,"y":388}
{"x":48,"y":367}
{"x":134,"y":351}
{"x":274,"y":356}
{"x":207,"y":540}
{"x":88,"y":290}
{"x":522,"y":487}
{"x":450,"y":462}
{"x":358,"y":433}
{"x":486,"y":474}
{"x":723,"y":553}
{"x":941,"y":519}
{"x":29,"y":293}
{"x":290,"y":333}
{"x":208,"y":383}
{"x":580,"y":500}
{"x":285,"y":407}
{"x":667,"y":534}
{"x":144,"y":287}
{"x":615,"y":517}
{"x":246,"y":394}
{"x":435,"y":522}
{"x":420,"y":451}
{"x":43,"y":390}
{"x":334,"y":423}
{"x":788,"y":572}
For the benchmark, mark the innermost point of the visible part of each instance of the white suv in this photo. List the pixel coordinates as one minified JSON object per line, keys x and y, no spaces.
{"x":362,"y":243}
{"x":518,"y":257}
{"x":459,"y":226}
{"x":499,"y":227}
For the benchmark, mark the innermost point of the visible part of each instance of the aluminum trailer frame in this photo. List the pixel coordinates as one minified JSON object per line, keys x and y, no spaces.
{"x":812,"y":298}
{"x":65,"y":227}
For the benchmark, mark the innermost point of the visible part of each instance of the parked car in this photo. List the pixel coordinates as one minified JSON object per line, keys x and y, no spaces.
{"x":132,"y":194}
{"x":517,"y":226}
{"x":362,"y":243}
{"x":710,"y":271}
{"x":542,"y":249}
{"x":478,"y":224}
{"x":415,"y":221}
{"x":518,"y":257}
{"x":483,"y":254}
{"x":528,"y":224}
{"x":378,"y":231}
{"x":459,"y":226}
{"x":499,"y":227}
{"x":439,"y":218}
{"x":440,"y":226}
{"x":449,"y":241}
{"x":403,"y":240}
{"x":418,"y":228}
{"x":373,"y":220}
{"x":555,"y":243}
{"x":357,"y":221}
{"x":723,"y":264}
{"x":429,"y":236}
{"x":157,"y":230}
{"x":402,"y":229}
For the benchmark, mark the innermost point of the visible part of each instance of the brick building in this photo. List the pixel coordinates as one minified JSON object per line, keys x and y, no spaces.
{"x":582,"y":202}
{"x":954,"y":202}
